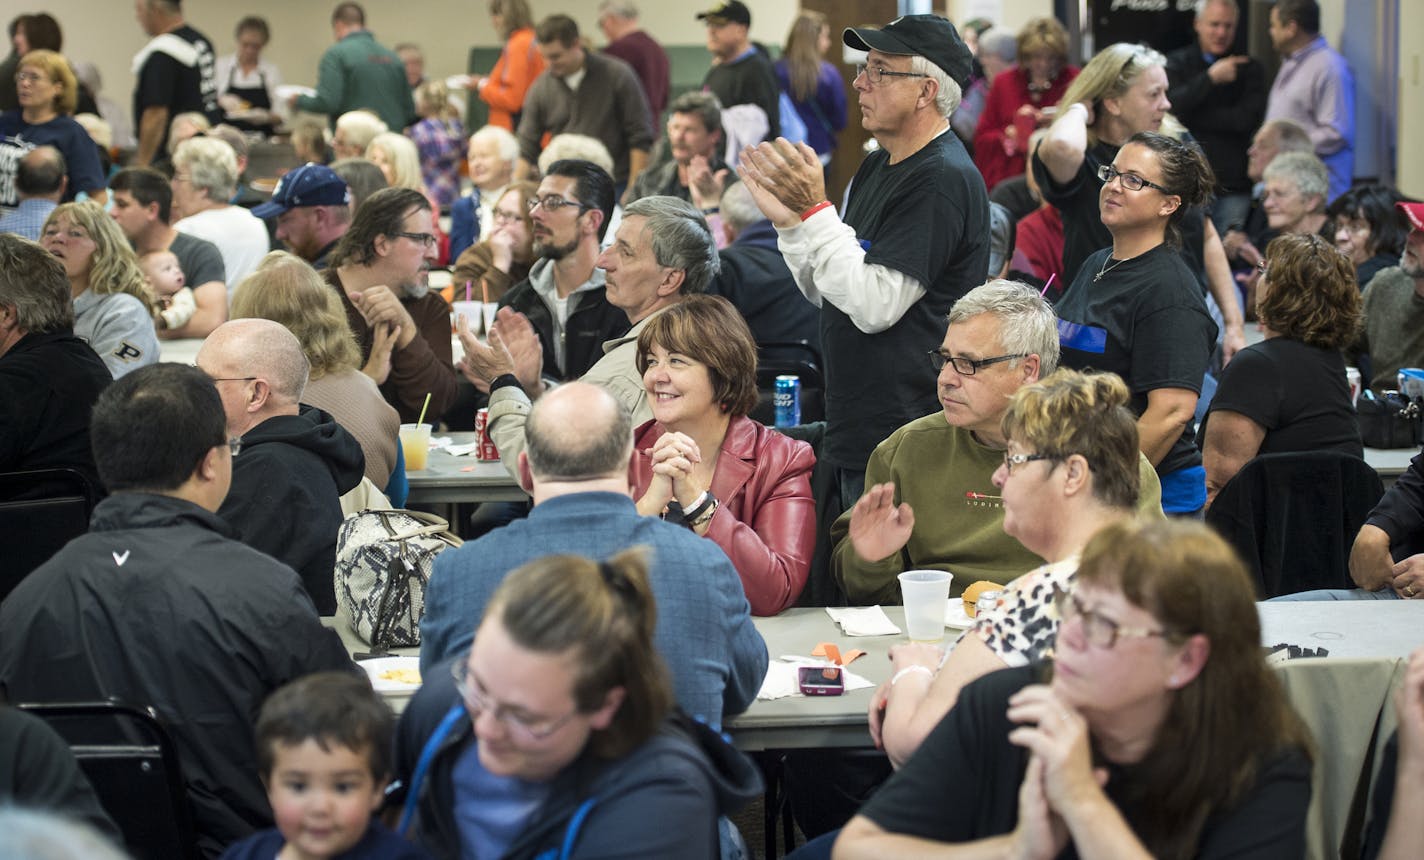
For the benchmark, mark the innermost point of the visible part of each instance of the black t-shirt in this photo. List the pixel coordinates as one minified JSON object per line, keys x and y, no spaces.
{"x":179,"y":77}
{"x":1083,"y":230}
{"x":200,"y":260}
{"x":1146,"y":322}
{"x":928,"y":217}
{"x":962,"y":784}
{"x":1296,"y":391}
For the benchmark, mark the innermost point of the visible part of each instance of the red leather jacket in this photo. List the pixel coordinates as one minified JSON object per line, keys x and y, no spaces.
{"x":766,"y":520}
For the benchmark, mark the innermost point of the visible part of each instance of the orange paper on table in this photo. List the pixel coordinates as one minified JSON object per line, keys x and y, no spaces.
{"x":831,"y":652}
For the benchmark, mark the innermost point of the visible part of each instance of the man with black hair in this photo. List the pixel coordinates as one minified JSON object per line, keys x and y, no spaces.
{"x":380,"y":268}
{"x":49,"y":378}
{"x":175,"y":75}
{"x":359,"y":73}
{"x":143,"y":207}
{"x":40,"y":181}
{"x":158,"y":605}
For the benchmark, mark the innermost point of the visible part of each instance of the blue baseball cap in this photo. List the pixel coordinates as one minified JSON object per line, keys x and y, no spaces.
{"x":309,"y":185}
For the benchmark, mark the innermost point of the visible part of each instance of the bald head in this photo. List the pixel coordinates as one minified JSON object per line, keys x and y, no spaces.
{"x":578,"y":432}
{"x":261,"y":349}
{"x":41,"y":174}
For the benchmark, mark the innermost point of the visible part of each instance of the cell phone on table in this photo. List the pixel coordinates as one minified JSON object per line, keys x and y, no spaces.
{"x":821,"y":680}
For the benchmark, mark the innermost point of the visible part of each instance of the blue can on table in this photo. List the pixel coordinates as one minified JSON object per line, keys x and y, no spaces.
{"x":787,"y":399}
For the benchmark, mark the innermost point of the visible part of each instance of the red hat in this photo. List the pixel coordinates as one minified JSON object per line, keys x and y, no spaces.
{"x":1414,"y":212}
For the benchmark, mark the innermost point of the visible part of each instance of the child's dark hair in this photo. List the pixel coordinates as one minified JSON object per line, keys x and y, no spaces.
{"x":330,"y":708}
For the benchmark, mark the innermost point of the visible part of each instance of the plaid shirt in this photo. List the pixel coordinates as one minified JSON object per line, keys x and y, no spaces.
{"x":441,"y":146}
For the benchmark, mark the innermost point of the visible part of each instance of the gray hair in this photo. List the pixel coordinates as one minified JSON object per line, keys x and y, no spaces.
{"x":739,"y":209}
{"x":211,"y":166}
{"x":505,"y":143}
{"x":1304,"y":170}
{"x":618,"y":8}
{"x":361,"y":127}
{"x":1001,"y":44}
{"x":575,"y":147}
{"x":949,"y":94}
{"x":681,"y":239}
{"x":1027,"y":324}
{"x":32,"y":281}
{"x":579,"y":444}
{"x":1203,"y":4}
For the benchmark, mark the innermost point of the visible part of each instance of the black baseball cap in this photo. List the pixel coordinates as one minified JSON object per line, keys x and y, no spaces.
{"x":731,"y":12}
{"x":928,"y":36}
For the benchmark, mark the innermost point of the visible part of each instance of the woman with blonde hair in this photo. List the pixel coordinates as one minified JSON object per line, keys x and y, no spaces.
{"x":113,"y":306}
{"x":48,"y":93}
{"x":519,"y":63}
{"x":1101,"y":754}
{"x":399,"y":161}
{"x":814,"y":85}
{"x":286,"y":290}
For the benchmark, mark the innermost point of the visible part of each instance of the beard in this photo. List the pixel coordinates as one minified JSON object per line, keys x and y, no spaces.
{"x":415,"y":289}
{"x":547,"y":250}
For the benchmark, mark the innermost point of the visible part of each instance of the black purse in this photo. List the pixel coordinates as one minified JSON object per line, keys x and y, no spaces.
{"x":1389,"y":421}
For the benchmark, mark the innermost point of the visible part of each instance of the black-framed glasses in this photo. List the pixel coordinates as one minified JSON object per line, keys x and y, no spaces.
{"x":476,"y":702}
{"x":1100,"y":630}
{"x":233,"y":378}
{"x":429,"y":240}
{"x":1131,"y":181}
{"x":553,"y":203}
{"x":967,"y":366}
{"x":876,"y":74}
{"x":234,"y":445}
{"x":1012,"y":460}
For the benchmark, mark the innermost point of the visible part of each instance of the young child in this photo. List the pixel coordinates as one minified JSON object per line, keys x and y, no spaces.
{"x":440,"y":139}
{"x":165,"y":278}
{"x":324,"y":753}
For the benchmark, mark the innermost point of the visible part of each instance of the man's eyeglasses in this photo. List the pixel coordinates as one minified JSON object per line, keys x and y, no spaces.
{"x":476,"y":702}
{"x":876,"y":74}
{"x":1131,"y":181}
{"x":1012,"y":460}
{"x":966,"y":366}
{"x":429,"y":240}
{"x":553,"y":203}
{"x":235,"y":445}
{"x":1100,"y":630}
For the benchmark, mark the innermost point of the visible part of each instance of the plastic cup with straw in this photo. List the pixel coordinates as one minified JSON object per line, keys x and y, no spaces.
{"x":415,"y":441}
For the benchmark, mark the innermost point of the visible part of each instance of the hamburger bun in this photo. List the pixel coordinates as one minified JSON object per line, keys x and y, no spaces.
{"x":971,"y":595}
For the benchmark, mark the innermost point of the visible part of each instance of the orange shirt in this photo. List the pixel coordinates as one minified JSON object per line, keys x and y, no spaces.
{"x":517,"y":67}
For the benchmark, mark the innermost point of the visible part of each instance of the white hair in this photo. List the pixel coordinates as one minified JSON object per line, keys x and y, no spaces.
{"x":949,"y":94}
{"x":505,"y":143}
{"x":211,"y":166}
{"x":361,"y":127}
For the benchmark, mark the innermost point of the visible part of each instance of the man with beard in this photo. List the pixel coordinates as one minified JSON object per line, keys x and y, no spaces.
{"x":563,"y":297}
{"x":403,"y":329}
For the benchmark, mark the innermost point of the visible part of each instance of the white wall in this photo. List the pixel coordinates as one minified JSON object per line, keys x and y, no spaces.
{"x":105,"y":32}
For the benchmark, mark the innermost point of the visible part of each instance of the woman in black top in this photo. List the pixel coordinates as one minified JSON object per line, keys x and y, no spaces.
{"x":1136,"y":310}
{"x":1289,"y":392}
{"x":1161,"y":732}
{"x":1368,"y":229}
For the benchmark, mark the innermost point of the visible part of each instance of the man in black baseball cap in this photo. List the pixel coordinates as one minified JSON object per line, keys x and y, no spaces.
{"x":741,"y":72}
{"x":914,"y":238}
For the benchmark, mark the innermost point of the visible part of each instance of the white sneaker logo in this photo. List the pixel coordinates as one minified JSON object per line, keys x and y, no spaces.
{"x":120,"y":559}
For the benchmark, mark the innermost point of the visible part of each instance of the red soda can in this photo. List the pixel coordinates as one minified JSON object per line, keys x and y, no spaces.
{"x":486,"y":451}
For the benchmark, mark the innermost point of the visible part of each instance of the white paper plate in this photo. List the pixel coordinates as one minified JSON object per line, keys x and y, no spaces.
{"x":954,"y":615}
{"x":385,"y":666}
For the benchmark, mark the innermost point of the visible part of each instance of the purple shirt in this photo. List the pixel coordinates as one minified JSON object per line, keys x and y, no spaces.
{"x":650,"y":64}
{"x":1315,"y":88}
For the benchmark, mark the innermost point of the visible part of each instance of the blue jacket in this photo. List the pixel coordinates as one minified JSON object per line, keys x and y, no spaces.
{"x":662,"y":799}
{"x":464,"y":223}
{"x":704,"y":633}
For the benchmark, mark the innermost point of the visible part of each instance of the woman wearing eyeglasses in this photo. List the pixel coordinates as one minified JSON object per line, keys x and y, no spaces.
{"x":702,"y":461}
{"x":495,"y":264}
{"x":1120,"y":93}
{"x":47,"y":92}
{"x":1157,"y":731}
{"x":555,"y":734}
{"x":1136,"y":310}
{"x":1071,"y":467}
{"x":1289,"y":392}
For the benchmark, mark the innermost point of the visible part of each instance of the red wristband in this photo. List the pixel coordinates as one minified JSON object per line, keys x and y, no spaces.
{"x":814,"y":209}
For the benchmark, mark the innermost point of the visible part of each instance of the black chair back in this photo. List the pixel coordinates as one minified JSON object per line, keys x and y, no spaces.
{"x":41,"y":510}
{"x":132,"y":762}
{"x":1293,"y":518}
{"x":790,"y":358}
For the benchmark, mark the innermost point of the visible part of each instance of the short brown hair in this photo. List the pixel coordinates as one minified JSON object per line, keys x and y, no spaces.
{"x":332,"y":709}
{"x":1313,"y":295}
{"x":606,"y":612}
{"x":1043,"y":35}
{"x":1086,"y":414}
{"x":711,"y":330}
{"x":557,"y":28}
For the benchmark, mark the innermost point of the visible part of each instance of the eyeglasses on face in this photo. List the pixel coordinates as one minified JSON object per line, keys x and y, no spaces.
{"x":1100,"y":630}
{"x":476,"y":702}
{"x":429,"y":240}
{"x":966,"y":366}
{"x":1131,"y":181}
{"x":30,"y":78}
{"x":877,"y":74}
{"x":507,"y":217}
{"x":553,"y":203}
{"x":1012,"y":460}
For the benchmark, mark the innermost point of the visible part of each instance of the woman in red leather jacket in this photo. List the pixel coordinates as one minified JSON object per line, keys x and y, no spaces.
{"x":703,"y":462}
